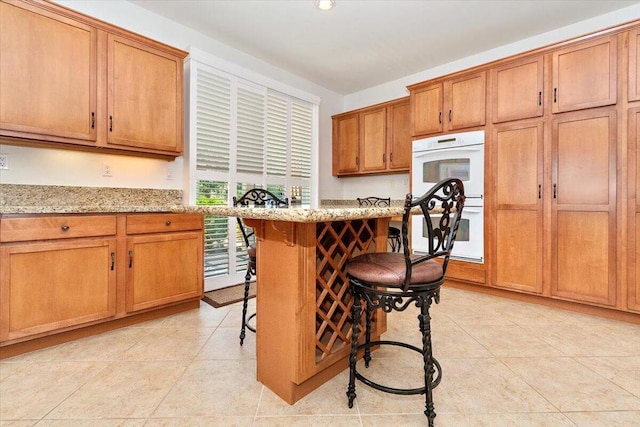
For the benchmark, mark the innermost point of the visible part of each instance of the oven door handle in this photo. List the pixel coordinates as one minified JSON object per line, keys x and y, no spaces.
{"x":470,"y":210}
{"x":419,"y":154}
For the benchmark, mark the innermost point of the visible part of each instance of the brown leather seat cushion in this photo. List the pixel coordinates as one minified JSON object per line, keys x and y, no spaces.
{"x":389,"y":268}
{"x":251,"y":251}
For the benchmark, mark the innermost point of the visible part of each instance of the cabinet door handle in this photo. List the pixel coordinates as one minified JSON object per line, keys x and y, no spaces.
{"x":65,"y":228}
{"x":93,"y":120}
{"x":555,"y":193}
{"x":168,"y":223}
{"x":384,"y":157}
{"x":113,"y":260}
{"x":440,"y":118}
{"x":540,"y":98}
{"x":110,"y":123}
{"x":357,"y":161}
{"x":539,"y":191}
{"x":130,"y":259}
{"x":449,"y":116}
{"x":555,"y":95}
{"x":391,"y":157}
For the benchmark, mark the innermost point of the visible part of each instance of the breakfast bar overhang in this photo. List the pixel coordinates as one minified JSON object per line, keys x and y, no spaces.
{"x":303,"y":301}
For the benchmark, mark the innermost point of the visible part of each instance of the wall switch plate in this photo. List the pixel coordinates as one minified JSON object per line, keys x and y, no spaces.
{"x":4,"y":162}
{"x":106,"y":169}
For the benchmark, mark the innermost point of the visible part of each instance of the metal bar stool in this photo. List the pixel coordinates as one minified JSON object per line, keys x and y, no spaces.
{"x":393,"y":233}
{"x":393,"y":281}
{"x":256,"y":197}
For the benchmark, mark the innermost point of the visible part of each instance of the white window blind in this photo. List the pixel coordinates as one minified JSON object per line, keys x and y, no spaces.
{"x":213,"y":121}
{"x":277,"y":135}
{"x":301,"y":133}
{"x":243,"y":135}
{"x":251,"y":131}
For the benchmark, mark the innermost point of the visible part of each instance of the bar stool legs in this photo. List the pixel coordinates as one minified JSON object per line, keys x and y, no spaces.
{"x":245,"y":301}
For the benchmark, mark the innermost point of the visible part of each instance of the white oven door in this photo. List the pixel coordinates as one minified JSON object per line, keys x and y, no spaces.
{"x":465,"y":163}
{"x":469,"y":244}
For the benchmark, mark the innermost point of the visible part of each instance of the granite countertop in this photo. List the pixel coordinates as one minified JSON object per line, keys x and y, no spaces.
{"x":52,"y":199}
{"x":294,"y":214}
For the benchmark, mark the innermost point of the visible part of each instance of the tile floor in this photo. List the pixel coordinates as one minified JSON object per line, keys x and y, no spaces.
{"x":505,"y":363}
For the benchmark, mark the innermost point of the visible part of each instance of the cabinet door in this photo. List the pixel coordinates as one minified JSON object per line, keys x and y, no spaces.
{"x":583,"y":207}
{"x":634,"y":65}
{"x":584,"y":75}
{"x":163,"y":269}
{"x":399,"y":136}
{"x":48,"y":75}
{"x":466,"y":97}
{"x":345,"y":144}
{"x":50,"y":286}
{"x":373,"y":140}
{"x":633,"y":288}
{"x":426,"y":109}
{"x":516,"y":90}
{"x":518,"y":219}
{"x":144,"y":97}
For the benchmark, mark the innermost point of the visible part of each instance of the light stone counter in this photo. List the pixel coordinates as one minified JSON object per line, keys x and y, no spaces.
{"x":53,"y":199}
{"x":294,"y":214}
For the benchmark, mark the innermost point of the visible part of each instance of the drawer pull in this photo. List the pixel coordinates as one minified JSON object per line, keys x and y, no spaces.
{"x":113,"y":260}
{"x":168,"y":223}
{"x":65,"y":228}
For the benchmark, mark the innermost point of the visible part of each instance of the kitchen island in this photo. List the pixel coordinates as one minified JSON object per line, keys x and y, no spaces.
{"x":303,"y":300}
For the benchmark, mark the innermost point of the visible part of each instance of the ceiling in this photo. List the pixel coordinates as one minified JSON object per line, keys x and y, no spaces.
{"x":360,"y":44}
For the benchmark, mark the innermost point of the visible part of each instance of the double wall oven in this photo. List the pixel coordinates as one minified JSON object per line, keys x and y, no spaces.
{"x":452,"y":156}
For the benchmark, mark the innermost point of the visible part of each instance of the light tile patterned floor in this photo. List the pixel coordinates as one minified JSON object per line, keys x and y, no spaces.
{"x":505,"y":363}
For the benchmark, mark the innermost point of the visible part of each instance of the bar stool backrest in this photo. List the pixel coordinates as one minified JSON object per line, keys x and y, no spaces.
{"x":445,"y":202}
{"x":260,"y":198}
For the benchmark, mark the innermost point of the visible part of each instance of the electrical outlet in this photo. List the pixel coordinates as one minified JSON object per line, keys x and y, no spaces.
{"x":169,"y":171}
{"x":4,"y":162}
{"x":106,"y":169}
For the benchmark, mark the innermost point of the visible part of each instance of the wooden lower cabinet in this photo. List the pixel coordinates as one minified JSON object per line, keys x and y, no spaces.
{"x":59,"y":273}
{"x":163,"y":268}
{"x":50,"y":286}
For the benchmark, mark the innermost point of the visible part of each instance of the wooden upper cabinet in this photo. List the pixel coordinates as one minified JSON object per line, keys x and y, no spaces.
{"x":517,"y":90}
{"x":633,"y":288}
{"x":634,"y":64}
{"x":453,"y":104}
{"x":68,"y":78}
{"x":346,"y":137}
{"x":584,"y":75}
{"x":399,"y":136}
{"x":373,"y":140}
{"x":426,"y":109}
{"x":144,"y":96}
{"x":48,"y":74}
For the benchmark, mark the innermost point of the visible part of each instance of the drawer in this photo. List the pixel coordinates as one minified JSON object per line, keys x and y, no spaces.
{"x":56,"y":227}
{"x":163,"y":223}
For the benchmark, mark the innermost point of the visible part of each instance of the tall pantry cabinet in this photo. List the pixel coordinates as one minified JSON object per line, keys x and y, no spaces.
{"x":633,"y":116}
{"x":553,"y":147}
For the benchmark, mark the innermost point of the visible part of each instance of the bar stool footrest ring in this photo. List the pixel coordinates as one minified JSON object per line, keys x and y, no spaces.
{"x":392,"y":390}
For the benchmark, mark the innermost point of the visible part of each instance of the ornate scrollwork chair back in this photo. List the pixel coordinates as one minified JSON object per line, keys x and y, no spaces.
{"x":393,"y":233}
{"x":393,"y":281}
{"x":256,"y":197}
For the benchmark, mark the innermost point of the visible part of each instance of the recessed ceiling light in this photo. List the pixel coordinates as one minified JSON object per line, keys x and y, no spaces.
{"x":324,"y":4}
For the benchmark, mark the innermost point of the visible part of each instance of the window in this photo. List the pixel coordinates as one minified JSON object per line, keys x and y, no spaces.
{"x":244,"y":133}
